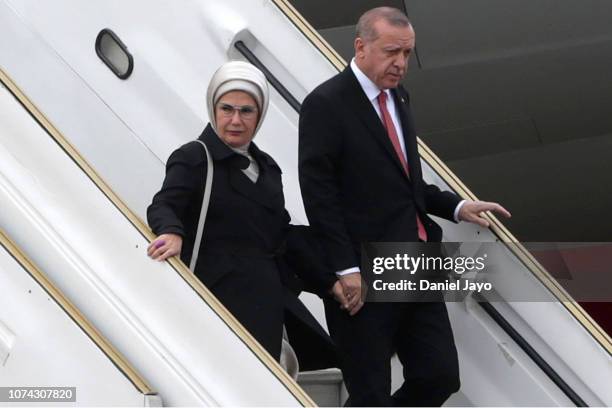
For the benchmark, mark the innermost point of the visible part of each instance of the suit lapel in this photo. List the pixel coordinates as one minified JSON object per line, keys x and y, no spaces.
{"x":261,"y":192}
{"x":364,"y":110}
{"x":412,"y":153}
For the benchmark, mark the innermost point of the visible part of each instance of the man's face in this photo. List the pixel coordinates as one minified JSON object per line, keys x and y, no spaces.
{"x":385,"y":59}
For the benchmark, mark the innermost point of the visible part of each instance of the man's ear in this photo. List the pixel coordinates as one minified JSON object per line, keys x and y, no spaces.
{"x":359,"y":45}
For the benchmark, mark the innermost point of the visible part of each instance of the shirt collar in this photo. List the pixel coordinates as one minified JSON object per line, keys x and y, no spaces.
{"x":370,"y":88}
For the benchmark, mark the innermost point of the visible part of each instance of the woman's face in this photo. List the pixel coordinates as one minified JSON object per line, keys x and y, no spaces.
{"x":236,"y":115}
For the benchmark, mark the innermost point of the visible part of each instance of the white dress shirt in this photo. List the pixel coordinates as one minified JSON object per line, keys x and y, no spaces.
{"x":372,"y":91}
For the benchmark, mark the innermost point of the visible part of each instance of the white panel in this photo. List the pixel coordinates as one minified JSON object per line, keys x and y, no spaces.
{"x":49,"y":349}
{"x":7,"y":339}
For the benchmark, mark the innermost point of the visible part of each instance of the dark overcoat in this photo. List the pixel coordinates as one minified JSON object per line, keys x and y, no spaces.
{"x":242,"y":257}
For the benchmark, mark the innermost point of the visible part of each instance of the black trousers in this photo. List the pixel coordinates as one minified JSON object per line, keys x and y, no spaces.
{"x":420,"y":334}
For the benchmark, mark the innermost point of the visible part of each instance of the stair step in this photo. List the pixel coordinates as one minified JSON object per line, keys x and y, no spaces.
{"x":325,"y":387}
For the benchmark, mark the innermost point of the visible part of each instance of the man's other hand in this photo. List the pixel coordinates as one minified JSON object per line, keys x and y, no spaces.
{"x":338,"y":293}
{"x":351,"y":286}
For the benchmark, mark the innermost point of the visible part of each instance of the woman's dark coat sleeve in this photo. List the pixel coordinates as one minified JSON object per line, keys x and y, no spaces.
{"x":305,"y":258}
{"x":184,"y":173}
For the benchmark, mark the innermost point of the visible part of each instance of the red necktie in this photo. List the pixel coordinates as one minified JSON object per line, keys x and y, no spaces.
{"x":392,"y":133}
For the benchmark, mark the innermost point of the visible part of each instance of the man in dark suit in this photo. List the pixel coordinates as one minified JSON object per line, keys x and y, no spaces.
{"x":361,"y":181}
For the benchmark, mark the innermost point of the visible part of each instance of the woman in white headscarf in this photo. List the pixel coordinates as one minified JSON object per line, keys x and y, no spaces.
{"x":246,"y":226}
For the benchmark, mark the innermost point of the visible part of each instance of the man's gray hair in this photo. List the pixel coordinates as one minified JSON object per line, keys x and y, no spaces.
{"x":365,"y":26}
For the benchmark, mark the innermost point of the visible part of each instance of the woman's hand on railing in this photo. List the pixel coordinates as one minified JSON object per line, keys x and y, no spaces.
{"x":165,"y":246}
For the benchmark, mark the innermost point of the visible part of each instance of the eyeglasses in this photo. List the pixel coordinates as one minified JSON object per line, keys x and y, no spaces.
{"x":246,"y":111}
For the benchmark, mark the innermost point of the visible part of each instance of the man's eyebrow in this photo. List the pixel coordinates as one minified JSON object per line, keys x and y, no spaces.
{"x":394,"y":48}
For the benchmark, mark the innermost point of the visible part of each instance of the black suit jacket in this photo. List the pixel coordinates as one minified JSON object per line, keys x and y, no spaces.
{"x":245,"y":235}
{"x":353,"y":184}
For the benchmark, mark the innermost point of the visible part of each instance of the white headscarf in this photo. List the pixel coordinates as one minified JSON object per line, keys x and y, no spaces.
{"x":238,"y":76}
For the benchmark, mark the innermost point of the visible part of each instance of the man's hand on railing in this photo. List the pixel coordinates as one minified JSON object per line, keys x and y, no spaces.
{"x":472,"y":211}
